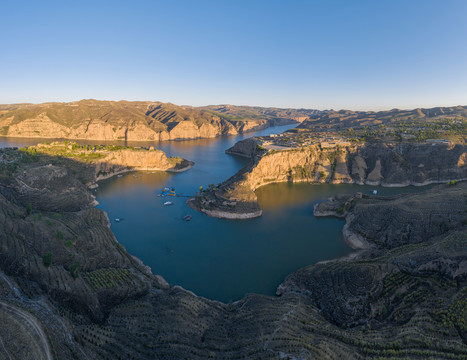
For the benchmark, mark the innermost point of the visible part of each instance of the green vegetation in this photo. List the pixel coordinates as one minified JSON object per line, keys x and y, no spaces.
{"x":47,"y":259}
{"x":28,"y":208}
{"x":107,"y":278}
{"x":75,"y":269}
{"x":260,"y":148}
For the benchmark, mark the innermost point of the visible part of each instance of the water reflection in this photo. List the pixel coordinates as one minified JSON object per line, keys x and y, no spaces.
{"x":216,"y":258}
{"x":284,"y":195}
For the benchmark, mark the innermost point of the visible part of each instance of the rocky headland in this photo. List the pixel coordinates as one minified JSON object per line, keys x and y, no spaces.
{"x":104,"y":161}
{"x":375,"y":163}
{"x":69,"y":290}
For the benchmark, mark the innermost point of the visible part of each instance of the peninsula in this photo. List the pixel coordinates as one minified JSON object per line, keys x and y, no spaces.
{"x":388,"y":148}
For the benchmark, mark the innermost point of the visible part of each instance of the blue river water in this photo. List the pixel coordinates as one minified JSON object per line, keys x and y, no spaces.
{"x":217,"y":258}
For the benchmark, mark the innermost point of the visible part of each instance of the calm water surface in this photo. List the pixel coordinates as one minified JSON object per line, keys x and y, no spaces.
{"x":217,"y":258}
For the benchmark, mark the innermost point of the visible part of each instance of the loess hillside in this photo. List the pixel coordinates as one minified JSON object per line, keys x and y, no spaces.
{"x":68,"y":290}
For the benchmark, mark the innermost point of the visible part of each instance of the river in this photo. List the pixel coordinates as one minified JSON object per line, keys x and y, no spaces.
{"x":217,"y":258}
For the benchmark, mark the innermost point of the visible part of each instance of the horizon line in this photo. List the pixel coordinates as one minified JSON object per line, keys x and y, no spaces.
{"x":229,"y":104}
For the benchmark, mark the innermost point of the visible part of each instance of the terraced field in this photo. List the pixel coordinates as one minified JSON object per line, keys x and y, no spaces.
{"x":402,"y":298}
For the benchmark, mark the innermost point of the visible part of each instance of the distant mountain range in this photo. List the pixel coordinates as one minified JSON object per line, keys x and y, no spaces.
{"x":154,"y":121}
{"x":369,"y":118}
{"x":138,"y":120}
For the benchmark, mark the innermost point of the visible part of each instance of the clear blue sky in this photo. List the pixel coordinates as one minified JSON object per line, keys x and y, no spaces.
{"x":374,"y":54}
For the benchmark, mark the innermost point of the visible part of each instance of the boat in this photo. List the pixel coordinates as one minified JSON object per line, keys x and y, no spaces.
{"x":375,"y":192}
{"x":119,"y":176}
{"x":187,"y":217}
{"x":117,"y":219}
{"x":167,"y":203}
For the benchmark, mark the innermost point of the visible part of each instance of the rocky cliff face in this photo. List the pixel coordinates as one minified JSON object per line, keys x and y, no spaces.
{"x":107,"y":161}
{"x":399,"y":164}
{"x":124,"y":121}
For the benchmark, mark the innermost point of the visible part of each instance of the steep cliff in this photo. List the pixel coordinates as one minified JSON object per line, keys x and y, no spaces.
{"x":101,"y":162}
{"x":386,"y":164}
{"x":125,"y":121}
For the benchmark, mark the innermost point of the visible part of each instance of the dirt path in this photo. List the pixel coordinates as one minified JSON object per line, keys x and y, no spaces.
{"x":29,"y":336}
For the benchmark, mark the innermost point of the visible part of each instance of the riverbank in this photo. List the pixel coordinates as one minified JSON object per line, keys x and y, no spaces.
{"x":107,"y":161}
{"x":377,"y":164}
{"x":192,"y":203}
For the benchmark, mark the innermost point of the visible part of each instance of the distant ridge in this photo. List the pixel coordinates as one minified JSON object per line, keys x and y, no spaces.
{"x":369,"y":118}
{"x":157,"y":121}
{"x":136,"y":120}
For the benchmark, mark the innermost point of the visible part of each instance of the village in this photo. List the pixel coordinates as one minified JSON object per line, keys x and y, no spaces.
{"x":435,"y":132}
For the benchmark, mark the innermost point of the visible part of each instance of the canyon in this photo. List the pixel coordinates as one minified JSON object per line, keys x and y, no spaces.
{"x":404,"y":295}
{"x":69,"y":290}
{"x":137,"y":121}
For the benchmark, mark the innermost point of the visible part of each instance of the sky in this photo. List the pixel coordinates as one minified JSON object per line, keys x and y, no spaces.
{"x":320,"y":54}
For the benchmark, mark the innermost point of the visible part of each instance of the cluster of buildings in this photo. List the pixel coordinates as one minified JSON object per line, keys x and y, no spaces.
{"x":284,"y":141}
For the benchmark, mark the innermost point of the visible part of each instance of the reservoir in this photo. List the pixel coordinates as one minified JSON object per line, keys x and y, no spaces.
{"x":217,"y":258}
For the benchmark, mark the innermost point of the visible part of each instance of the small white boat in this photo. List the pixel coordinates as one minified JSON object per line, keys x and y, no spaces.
{"x":119,"y":176}
{"x":375,"y":192}
{"x":117,"y":220}
{"x":167,"y":203}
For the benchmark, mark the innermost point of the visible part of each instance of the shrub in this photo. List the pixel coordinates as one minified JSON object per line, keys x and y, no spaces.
{"x":47,"y":259}
{"x":74,"y":269}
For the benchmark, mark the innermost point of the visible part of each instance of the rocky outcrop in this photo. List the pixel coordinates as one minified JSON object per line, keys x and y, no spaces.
{"x":381,"y":288}
{"x":107,"y":161}
{"x":386,"y":164}
{"x":246,"y":148}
